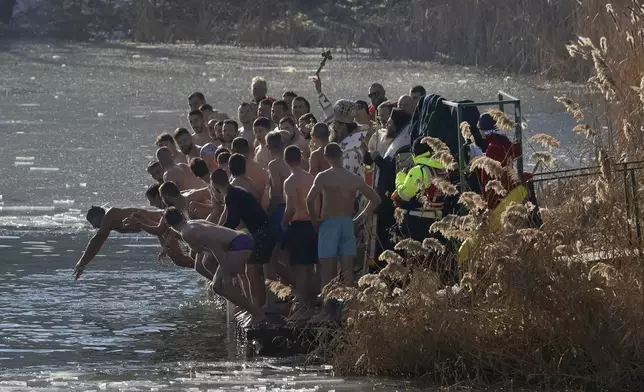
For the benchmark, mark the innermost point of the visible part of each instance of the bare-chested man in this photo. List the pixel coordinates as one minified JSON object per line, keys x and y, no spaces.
{"x":246,"y":116}
{"x":230,"y":130}
{"x":195,"y":100}
{"x":107,"y":221}
{"x":300,"y":237}
{"x":299,"y":107}
{"x":230,"y":248}
{"x":117,"y":219}
{"x":278,"y":171}
{"x":200,"y":169}
{"x":338,"y":187}
{"x":179,"y":173}
{"x":155,"y":171}
{"x":215,"y":136}
{"x":261,"y":127}
{"x":264,"y":110}
{"x":166,"y":140}
{"x":237,"y":167}
{"x":173,"y":197}
{"x":222,"y":161}
{"x":208,"y":112}
{"x":255,"y":172}
{"x":279,"y":110}
{"x":240,"y":206}
{"x":186,"y":144}
{"x":293,"y":137}
{"x":320,"y":136}
{"x":198,"y":124}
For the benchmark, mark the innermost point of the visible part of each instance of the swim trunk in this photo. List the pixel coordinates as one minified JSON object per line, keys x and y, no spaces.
{"x":265,"y":241}
{"x":242,"y":242}
{"x":301,"y":242}
{"x":276,"y":221}
{"x":336,"y":238}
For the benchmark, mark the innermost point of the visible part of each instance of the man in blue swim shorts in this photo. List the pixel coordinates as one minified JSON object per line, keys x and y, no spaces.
{"x":336,"y":232}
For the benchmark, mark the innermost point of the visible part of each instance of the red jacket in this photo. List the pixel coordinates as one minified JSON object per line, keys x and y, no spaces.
{"x":501,"y":149}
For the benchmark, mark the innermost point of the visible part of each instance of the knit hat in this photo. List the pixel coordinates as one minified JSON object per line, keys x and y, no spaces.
{"x":486,"y":122}
{"x":344,"y":111}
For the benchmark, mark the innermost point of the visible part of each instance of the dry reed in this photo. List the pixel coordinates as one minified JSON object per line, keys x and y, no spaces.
{"x":555,"y":306}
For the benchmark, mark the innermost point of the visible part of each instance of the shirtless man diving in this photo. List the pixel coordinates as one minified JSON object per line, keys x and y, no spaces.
{"x":336,"y":232}
{"x":179,"y":173}
{"x":117,"y":219}
{"x":231,"y":250}
{"x":300,"y":238}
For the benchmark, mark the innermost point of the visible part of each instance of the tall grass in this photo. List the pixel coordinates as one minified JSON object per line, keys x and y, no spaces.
{"x":560,"y":305}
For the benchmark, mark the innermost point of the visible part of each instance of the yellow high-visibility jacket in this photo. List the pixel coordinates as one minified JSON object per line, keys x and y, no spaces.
{"x":408,"y":185}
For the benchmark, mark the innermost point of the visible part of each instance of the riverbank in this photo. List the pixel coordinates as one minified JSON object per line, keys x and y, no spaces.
{"x":525,"y":36}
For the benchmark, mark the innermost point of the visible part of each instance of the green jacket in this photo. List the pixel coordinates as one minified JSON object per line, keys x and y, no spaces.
{"x":409,"y":184}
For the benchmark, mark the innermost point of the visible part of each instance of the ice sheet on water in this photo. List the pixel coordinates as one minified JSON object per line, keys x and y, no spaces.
{"x":45,"y":169}
{"x":63,"y":202}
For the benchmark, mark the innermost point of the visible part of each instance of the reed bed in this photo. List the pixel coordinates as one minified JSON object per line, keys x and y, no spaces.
{"x":554,"y":306}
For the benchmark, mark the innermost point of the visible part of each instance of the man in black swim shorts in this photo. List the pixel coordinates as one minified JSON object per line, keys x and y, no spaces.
{"x":300,"y":239}
{"x":241,"y":206}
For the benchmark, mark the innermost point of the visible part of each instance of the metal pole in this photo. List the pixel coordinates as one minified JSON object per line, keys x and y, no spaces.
{"x":461,"y":158}
{"x":501,"y":105}
{"x":628,"y":203}
{"x":638,"y":227}
{"x":518,"y":138}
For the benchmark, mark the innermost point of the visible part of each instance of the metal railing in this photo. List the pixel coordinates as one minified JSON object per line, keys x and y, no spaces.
{"x":629,"y":178}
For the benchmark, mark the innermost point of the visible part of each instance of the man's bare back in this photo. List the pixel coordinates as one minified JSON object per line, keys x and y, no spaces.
{"x":339,"y":187}
{"x":115,"y":216}
{"x":203,"y":236}
{"x":181,"y":175}
{"x":298,"y":185}
{"x":317,"y":162}
{"x":259,"y":176}
{"x":278,"y":173}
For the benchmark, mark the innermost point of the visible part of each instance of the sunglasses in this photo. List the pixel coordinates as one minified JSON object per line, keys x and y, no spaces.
{"x":374,"y":94}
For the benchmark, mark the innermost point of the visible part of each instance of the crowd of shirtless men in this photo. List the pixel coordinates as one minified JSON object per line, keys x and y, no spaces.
{"x":272,"y":198}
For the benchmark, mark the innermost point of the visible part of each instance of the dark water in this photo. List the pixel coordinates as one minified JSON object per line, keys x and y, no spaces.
{"x":78,"y":124}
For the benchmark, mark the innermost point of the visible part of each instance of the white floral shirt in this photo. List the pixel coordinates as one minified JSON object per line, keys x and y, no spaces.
{"x":352,"y":152}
